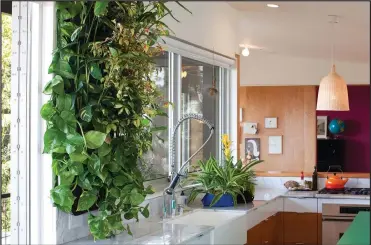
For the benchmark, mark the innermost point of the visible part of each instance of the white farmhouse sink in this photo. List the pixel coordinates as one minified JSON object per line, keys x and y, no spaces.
{"x":207,"y":217}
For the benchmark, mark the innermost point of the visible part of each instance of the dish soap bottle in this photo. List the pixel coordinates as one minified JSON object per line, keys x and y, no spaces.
{"x":302,"y":179}
{"x":314,"y":179}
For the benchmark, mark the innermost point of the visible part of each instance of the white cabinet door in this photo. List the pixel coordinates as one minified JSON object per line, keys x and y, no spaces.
{"x":300,"y":205}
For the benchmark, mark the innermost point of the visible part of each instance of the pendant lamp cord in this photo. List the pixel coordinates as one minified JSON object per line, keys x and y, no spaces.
{"x":333,"y":21}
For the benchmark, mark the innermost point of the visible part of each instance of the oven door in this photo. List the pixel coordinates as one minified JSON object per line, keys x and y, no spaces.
{"x":333,"y":228}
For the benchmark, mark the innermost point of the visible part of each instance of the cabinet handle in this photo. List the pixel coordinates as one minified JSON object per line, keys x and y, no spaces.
{"x":265,"y":242}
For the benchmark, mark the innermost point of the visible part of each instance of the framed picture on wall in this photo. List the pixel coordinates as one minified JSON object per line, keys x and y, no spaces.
{"x":321,"y":127}
{"x":252,"y":149}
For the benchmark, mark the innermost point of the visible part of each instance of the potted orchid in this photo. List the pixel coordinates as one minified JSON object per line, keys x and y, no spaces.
{"x":224,"y":183}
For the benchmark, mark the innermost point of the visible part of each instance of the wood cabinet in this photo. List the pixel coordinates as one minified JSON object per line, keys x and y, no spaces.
{"x":300,"y":228}
{"x":287,"y":228}
{"x":266,"y":232}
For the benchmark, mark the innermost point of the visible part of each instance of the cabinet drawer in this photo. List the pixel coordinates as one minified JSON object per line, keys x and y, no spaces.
{"x":300,"y":228}
{"x":300,"y":205}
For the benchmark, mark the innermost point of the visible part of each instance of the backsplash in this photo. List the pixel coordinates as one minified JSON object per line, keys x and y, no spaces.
{"x":277,"y":182}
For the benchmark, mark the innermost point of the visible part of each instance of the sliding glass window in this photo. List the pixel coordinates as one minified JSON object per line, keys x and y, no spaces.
{"x":194,"y":87}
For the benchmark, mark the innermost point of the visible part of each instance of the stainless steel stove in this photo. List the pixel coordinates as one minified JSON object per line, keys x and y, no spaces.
{"x":346,"y":191}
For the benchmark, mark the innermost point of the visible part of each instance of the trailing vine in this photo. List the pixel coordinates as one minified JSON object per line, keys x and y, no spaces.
{"x":103,"y":100}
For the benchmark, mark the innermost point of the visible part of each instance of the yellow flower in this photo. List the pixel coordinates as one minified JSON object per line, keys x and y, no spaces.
{"x":226,"y":146}
{"x":225,"y":139}
{"x":227,"y":153}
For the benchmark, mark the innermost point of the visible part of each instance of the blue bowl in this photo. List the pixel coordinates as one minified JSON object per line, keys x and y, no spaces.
{"x":225,"y":201}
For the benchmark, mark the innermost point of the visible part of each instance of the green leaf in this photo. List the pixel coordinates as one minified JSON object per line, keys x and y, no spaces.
{"x":113,"y":51}
{"x":113,"y":167}
{"x":111,"y":127}
{"x":100,"y":8}
{"x":120,"y":181}
{"x":69,"y":118}
{"x":136,"y":198}
{"x":64,"y":102}
{"x":75,"y":139}
{"x":216,"y":199}
{"x":128,"y":216}
{"x":55,"y":167}
{"x":95,"y":139}
{"x":56,"y":85}
{"x":47,"y":111}
{"x":86,"y":114}
{"x":53,"y":139}
{"x":78,"y":157}
{"x":95,"y":71}
{"x":145,"y":122}
{"x":76,"y":168}
{"x":62,"y":68}
{"x":86,"y":201}
{"x":66,"y":178}
{"x":128,"y":229}
{"x":114,"y":192}
{"x":98,"y":226}
{"x":62,"y":195}
{"x":104,"y":150}
{"x":76,"y":33}
{"x":103,"y":174}
{"x":94,"y":164}
{"x":145,"y":211}
{"x":150,"y":190}
{"x":115,"y":222}
{"x":84,"y":183}
{"x":70,"y":148}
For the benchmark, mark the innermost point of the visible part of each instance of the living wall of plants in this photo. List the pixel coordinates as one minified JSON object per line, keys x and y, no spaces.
{"x":102,"y":102}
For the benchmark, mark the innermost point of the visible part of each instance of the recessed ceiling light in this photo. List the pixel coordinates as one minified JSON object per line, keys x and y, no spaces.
{"x":271,"y":5}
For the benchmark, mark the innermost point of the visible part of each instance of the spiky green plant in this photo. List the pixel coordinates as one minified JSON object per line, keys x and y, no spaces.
{"x":218,"y":180}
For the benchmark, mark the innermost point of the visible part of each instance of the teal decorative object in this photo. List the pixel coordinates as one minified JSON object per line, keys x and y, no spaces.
{"x":336,"y":126}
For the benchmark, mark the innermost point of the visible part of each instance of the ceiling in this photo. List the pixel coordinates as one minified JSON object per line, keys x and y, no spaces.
{"x":303,"y":29}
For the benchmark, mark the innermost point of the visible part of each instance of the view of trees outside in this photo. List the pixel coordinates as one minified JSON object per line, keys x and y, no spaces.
{"x":5,"y":134}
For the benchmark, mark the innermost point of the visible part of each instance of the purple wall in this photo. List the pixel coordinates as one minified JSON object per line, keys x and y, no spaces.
{"x":357,"y":128}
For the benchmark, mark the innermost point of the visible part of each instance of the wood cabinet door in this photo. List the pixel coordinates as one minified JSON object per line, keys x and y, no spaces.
{"x":254,"y":235}
{"x":268,"y":229}
{"x":279,"y":229}
{"x":300,"y":228}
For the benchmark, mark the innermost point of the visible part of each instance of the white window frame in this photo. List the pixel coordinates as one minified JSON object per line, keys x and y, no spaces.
{"x":179,"y":49}
{"x":33,"y":215}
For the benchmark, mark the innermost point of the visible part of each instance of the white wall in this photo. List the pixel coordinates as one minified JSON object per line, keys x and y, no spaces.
{"x":212,"y":25}
{"x":261,"y":68}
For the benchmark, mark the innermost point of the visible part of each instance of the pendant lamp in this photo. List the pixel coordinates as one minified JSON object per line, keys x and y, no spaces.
{"x":333,"y":91}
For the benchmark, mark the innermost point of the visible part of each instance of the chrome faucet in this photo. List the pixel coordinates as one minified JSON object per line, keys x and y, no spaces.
{"x":181,"y":173}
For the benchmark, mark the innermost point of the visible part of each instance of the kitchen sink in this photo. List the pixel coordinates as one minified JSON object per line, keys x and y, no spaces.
{"x":206,"y":217}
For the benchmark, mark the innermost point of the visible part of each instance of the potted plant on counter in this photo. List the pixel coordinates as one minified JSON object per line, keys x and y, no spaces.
{"x":223,"y":183}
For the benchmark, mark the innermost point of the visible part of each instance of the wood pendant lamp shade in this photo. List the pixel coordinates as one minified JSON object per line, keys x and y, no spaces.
{"x":333,"y":93}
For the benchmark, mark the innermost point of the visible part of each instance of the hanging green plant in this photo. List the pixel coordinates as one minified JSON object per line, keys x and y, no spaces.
{"x":99,"y":116}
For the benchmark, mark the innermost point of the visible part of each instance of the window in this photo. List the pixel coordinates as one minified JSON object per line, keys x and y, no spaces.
{"x":199,"y":95}
{"x":196,"y":87}
{"x":155,"y":163}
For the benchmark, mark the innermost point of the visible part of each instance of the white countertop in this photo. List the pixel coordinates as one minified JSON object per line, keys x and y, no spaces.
{"x":151,"y":231}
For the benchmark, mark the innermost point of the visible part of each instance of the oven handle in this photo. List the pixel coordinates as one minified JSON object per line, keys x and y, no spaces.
{"x":338,"y":219}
